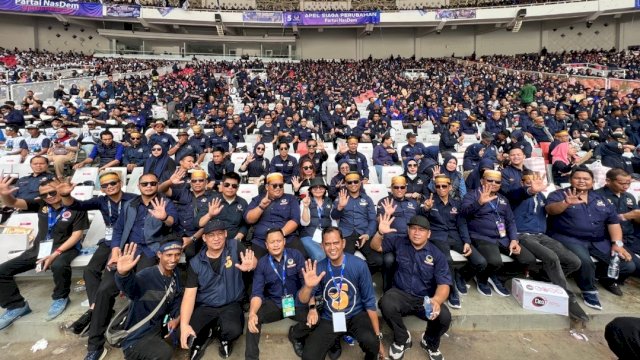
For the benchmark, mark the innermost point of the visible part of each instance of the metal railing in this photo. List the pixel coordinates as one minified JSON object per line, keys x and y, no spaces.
{"x":179,"y":56}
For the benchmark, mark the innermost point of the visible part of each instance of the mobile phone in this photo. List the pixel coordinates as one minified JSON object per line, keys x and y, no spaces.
{"x":190,"y":341}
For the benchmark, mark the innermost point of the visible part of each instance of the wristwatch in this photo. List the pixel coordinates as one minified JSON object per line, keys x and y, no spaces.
{"x":379,"y":336}
{"x":618,"y":243}
{"x":194,"y":238}
{"x":312,"y":307}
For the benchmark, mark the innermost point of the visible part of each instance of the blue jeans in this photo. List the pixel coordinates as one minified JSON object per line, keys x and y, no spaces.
{"x":314,"y":249}
{"x":586,"y":275}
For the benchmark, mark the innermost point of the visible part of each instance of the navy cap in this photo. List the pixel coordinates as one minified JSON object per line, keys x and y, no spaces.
{"x":214,"y":225}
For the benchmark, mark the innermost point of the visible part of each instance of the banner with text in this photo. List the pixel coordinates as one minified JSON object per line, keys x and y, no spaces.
{"x":456,"y":14}
{"x":331,"y":18}
{"x":265,"y":17}
{"x":123,"y":10}
{"x":53,"y":7}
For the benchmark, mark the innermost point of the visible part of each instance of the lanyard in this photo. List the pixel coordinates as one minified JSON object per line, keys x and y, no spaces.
{"x":495,"y":209}
{"x":282,"y":278}
{"x":319,"y":209}
{"x":339,"y":285}
{"x":51,"y":221}
{"x":118,"y":206}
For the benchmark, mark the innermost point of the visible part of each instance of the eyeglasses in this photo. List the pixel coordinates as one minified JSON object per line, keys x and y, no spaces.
{"x":307,"y":167}
{"x":235,"y":186}
{"x":260,"y":148}
{"x":442,"y":186}
{"x":149,"y":183}
{"x":277,"y":186}
{"x":106,"y":185}
{"x":399,"y":187}
{"x":354,"y":182}
{"x":156,"y":149}
{"x":412,"y":165}
{"x":49,"y":194}
{"x":135,"y":138}
{"x":493,"y":181}
{"x":317,"y":188}
{"x":311,"y":146}
{"x":198,"y":180}
{"x":283,"y":148}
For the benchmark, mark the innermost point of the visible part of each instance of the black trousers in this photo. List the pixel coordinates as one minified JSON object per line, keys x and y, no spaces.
{"x":269,"y":312}
{"x":92,"y":275}
{"x":491,"y":252}
{"x":227,"y":321}
{"x":10,"y":297}
{"x":623,"y":337}
{"x":395,"y":304}
{"x":105,"y":298}
{"x":475,"y":262}
{"x":374,"y":258}
{"x":322,"y":337}
{"x":150,"y":347}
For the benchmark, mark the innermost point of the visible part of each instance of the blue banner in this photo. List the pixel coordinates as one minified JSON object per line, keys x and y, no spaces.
{"x":265,"y":17}
{"x":331,"y":18}
{"x":123,"y":10}
{"x":52,"y":7}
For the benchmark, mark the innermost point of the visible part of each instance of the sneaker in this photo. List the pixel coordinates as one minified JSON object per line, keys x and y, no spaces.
{"x":57,"y":307}
{"x":591,"y":300}
{"x":225,"y":349}
{"x":80,"y":326}
{"x":497,"y":286}
{"x":461,"y":284}
{"x":297,"y":344}
{"x":434,"y":354}
{"x":454,"y":299}
{"x":483,"y":288}
{"x":349,"y":340}
{"x":396,"y":351}
{"x":96,"y":354}
{"x":12,"y":315}
{"x":576,"y":312}
{"x":612,"y":286}
{"x":336,"y":350}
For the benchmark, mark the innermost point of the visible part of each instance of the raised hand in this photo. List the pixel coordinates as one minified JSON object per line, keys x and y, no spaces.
{"x":249,"y":159}
{"x":65,"y":187}
{"x":295,"y":181}
{"x":343,"y":148}
{"x":388,"y":206}
{"x":311,"y":278}
{"x":571,"y":197}
{"x":127,"y":260}
{"x":5,"y":186}
{"x":265,"y":202}
{"x":485,"y":195}
{"x":436,"y":170}
{"x":384,"y":224}
{"x":320,"y":145}
{"x":177,"y":176}
{"x":215,"y":207}
{"x":246,"y":261}
{"x":307,"y":200}
{"x":428,"y":204}
{"x":343,"y":199}
{"x":159,"y":209}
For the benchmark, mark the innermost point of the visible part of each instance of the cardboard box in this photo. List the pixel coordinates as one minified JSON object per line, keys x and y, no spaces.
{"x":540,"y":296}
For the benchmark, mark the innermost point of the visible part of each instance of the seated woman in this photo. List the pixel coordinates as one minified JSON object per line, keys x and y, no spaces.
{"x":159,"y":163}
{"x":307,"y":173}
{"x":315,"y":211}
{"x":337,"y":182}
{"x":256,"y":165}
{"x":563,"y":159}
{"x":449,"y":168}
{"x":62,"y":151}
{"x":416,"y":183}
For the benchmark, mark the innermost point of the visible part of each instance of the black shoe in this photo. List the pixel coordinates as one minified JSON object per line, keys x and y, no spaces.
{"x":198,"y":349}
{"x":576,"y":312}
{"x":225,"y":349}
{"x":297,"y":345}
{"x":612,"y":286}
{"x":82,"y":324}
{"x":336,"y":350}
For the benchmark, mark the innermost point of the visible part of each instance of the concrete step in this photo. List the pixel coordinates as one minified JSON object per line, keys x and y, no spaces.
{"x":479,"y":313}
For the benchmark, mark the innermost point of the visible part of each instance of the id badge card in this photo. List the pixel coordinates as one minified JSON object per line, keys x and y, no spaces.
{"x":108,"y":233}
{"x":45,"y":248}
{"x":288,"y":306}
{"x":339,"y":322}
{"x":317,"y":235}
{"x":502,"y":230}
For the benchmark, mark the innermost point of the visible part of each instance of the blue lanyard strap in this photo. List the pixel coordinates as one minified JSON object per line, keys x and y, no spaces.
{"x":282,"y":278}
{"x":495,"y":209}
{"x":339,"y":285}
{"x":51,"y":221}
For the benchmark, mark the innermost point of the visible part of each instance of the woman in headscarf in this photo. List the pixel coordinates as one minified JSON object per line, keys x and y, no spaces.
{"x":449,"y":168}
{"x":337,"y":182}
{"x":473,"y":180}
{"x":63,"y":150}
{"x":256,"y":165}
{"x":563,"y":159}
{"x":429,"y":160}
{"x":159,"y":163}
{"x":416,"y":183}
{"x":472,"y":156}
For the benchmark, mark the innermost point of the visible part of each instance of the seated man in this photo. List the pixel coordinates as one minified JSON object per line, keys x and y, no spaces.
{"x":143,"y":289}
{"x":56,"y":245}
{"x":28,"y":185}
{"x":213,"y":291}
{"x":136,"y":153}
{"x":276,"y":281}
{"x":414,"y":283}
{"x":109,"y":152}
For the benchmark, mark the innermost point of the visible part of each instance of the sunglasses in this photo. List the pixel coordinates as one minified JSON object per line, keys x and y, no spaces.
{"x":317,"y":188}
{"x":493,"y":181}
{"x":442,"y":186}
{"x":135,"y":138}
{"x":49,"y":194}
{"x":198,"y":180}
{"x":156,"y":149}
{"x":412,"y":165}
{"x":235,"y":186}
{"x":399,"y":187}
{"x":307,"y":167}
{"x":354,"y":182}
{"x":260,"y":148}
{"x":311,"y":146}
{"x":106,"y":185}
{"x":149,"y":183}
{"x":277,"y":186}
{"x":283,"y":149}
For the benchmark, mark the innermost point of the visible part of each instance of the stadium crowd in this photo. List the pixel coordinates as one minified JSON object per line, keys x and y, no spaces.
{"x":307,"y":244}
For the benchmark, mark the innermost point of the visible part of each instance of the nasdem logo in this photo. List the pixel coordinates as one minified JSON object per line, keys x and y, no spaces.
{"x":538,"y":301}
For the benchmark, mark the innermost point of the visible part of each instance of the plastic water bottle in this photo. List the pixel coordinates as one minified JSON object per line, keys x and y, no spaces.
{"x":614,"y":267}
{"x":428,"y":308}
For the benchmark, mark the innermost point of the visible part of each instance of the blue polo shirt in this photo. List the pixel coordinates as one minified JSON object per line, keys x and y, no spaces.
{"x":165,"y":140}
{"x":188,"y":206}
{"x":109,"y":209}
{"x":28,"y":185}
{"x":275,"y":216}
{"x":287,"y":167}
{"x":481,"y":219}
{"x":221,"y":141}
{"x":137,"y":232}
{"x":358,"y":217}
{"x":446,"y":221}
{"x":267,"y":285}
{"x":405,"y":209}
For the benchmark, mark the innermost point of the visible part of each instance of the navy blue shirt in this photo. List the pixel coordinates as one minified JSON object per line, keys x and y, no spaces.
{"x":135,"y":155}
{"x":276,"y":215}
{"x":358,"y":217}
{"x":446,"y":221}
{"x":109,"y":209}
{"x":405,"y":209}
{"x":623,"y":204}
{"x":28,"y":185}
{"x":287,"y":167}
{"x":188,"y":206}
{"x":482,"y":219}
{"x":165,"y":140}
{"x":268,"y":285}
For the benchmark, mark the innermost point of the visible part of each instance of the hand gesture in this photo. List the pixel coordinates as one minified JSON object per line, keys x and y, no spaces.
{"x":436,"y":170}
{"x":428,"y":204}
{"x":311,"y":278}
{"x":215,"y":207}
{"x":362,"y":239}
{"x":6,"y":188}
{"x":388,"y":206}
{"x":159,"y":209}
{"x":571,"y":197}
{"x":246,"y":261}
{"x":537,"y":184}
{"x":343,"y":148}
{"x":252,"y":323}
{"x":265,"y":202}
{"x":127,"y":261}
{"x":384,"y":224}
{"x":307,"y":200}
{"x":485,"y":195}
{"x":295,"y":181}
{"x":249,"y":159}
{"x":177,"y":176}
{"x":64,"y":188}
{"x":343,"y":199}
{"x":320,"y":145}
{"x":466,"y":250}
